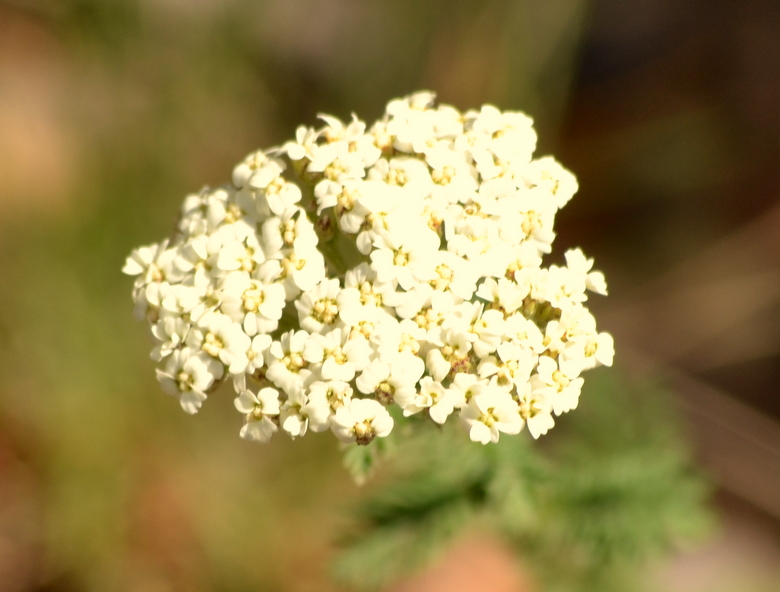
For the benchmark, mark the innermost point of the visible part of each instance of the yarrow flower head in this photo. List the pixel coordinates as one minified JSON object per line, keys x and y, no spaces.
{"x":360,"y":276}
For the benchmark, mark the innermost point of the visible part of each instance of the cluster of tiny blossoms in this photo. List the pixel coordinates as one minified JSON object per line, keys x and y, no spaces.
{"x":356,"y":270}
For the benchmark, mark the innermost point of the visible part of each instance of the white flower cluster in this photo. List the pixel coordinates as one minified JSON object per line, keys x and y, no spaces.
{"x":396,"y":266}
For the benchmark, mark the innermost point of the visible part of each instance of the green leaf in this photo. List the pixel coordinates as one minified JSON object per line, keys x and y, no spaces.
{"x":360,"y":461}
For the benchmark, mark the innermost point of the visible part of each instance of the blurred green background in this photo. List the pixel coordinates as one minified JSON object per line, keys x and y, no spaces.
{"x":112,"y":110}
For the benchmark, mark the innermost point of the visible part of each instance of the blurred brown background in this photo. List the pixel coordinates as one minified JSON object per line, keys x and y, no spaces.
{"x":112,"y":110}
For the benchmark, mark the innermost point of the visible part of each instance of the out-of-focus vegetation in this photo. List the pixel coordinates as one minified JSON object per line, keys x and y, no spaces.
{"x":111,"y":111}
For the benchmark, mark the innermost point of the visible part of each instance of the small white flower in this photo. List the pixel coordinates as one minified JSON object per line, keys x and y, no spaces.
{"x":222,"y":339}
{"x":524,"y":332}
{"x":289,"y":229}
{"x":301,"y":147}
{"x":358,"y":142}
{"x":452,"y":356}
{"x":255,"y":354}
{"x":240,"y":255}
{"x":257,"y":306}
{"x":361,"y":421}
{"x":365,"y":299}
{"x":529,"y":215}
{"x":293,"y":416}
{"x":301,"y":271}
{"x":336,"y":162}
{"x":454,"y":177}
{"x":399,"y":344}
{"x":446,"y":271}
{"x":578,"y":264}
{"x":536,"y":410}
{"x":191,"y":262}
{"x":465,"y":386}
{"x":188,"y":375}
{"x":388,"y":382}
{"x":408,"y":173}
{"x":325,"y":398}
{"x":398,"y":255}
{"x":171,"y":332}
{"x":260,"y":411}
{"x":336,"y":356}
{"x":287,"y":368}
{"x":561,"y":389}
{"x":150,"y":263}
{"x":554,"y":339}
{"x":483,"y":328}
{"x":258,"y":169}
{"x":318,"y":308}
{"x":503,"y":295}
{"x":599,"y":350}
{"x":490,"y":413}
{"x":548,"y":174}
{"x":512,"y":367}
{"x":432,"y":396}
{"x":384,"y":203}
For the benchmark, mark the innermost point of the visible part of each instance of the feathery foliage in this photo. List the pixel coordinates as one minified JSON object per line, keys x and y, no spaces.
{"x":586,"y":512}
